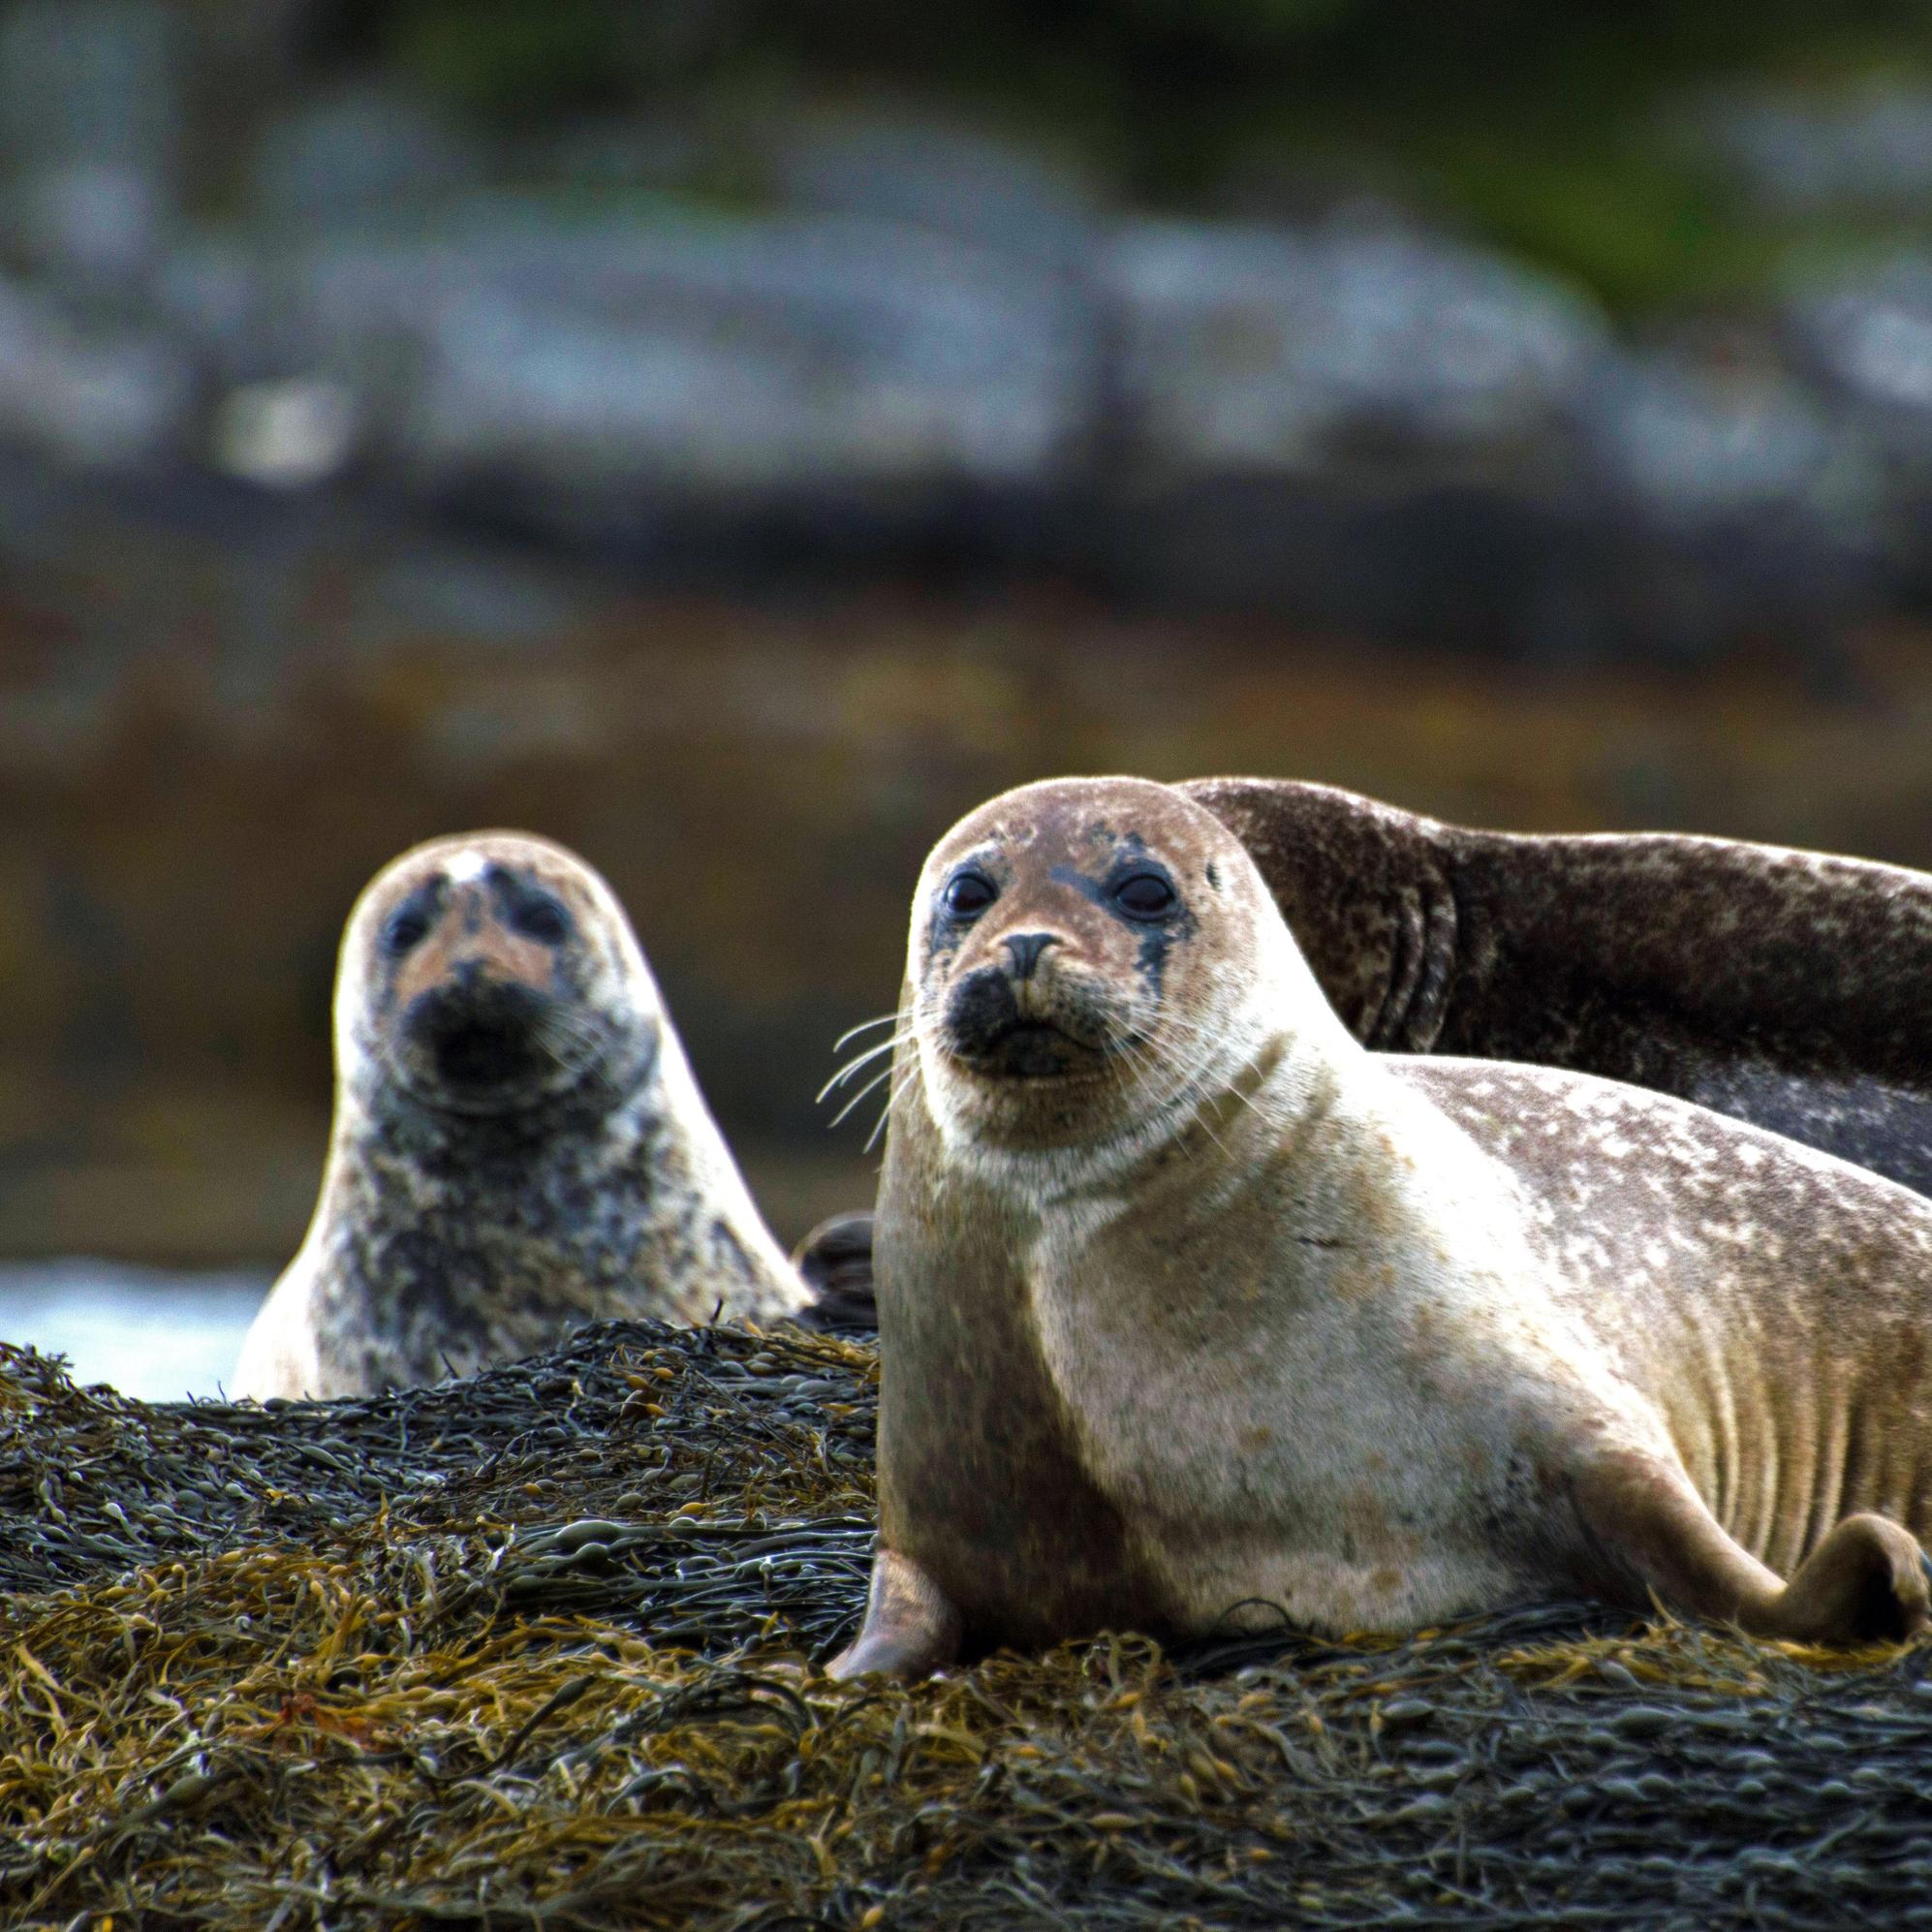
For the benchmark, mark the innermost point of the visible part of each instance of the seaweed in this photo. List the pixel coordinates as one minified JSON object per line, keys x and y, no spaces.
{"x":538,"y":1649}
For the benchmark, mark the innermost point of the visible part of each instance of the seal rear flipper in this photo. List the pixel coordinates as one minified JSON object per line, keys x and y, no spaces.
{"x":836,"y":1261}
{"x":1866,"y":1582}
{"x":910,"y":1628}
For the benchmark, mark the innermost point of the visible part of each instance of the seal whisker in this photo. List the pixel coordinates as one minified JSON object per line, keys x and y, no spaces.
{"x":893,"y":1099}
{"x":852,"y":1066}
{"x":872,"y":1085}
{"x":863,"y":1026}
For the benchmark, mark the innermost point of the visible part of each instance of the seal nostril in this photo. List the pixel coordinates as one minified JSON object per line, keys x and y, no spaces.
{"x":1025,"y":949}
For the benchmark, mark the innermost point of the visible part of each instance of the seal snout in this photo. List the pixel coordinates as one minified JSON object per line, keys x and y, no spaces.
{"x":477,"y":1032}
{"x":1018,"y":1019}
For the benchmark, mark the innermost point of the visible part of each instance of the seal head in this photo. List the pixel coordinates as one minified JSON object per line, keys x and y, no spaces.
{"x":493,"y":979}
{"x":1073,"y":981}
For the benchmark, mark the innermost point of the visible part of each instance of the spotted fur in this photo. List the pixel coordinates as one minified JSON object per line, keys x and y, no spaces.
{"x":1786,"y":988}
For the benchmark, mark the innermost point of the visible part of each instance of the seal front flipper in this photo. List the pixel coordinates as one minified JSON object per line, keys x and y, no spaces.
{"x":1864,"y":1583}
{"x":910,"y":1628}
{"x":836,"y":1261}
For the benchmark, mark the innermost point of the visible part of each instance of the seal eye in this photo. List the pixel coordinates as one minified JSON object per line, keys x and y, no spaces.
{"x":542,"y":918}
{"x":1145,"y":896}
{"x":403,"y":930}
{"x":968,"y":894}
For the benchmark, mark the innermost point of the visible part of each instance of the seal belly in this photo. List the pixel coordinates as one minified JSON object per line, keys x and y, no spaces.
{"x":1772,"y":1303}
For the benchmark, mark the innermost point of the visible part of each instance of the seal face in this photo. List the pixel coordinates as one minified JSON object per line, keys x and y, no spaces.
{"x":1194,"y":1311}
{"x":1054,"y":967}
{"x":519,"y":1144}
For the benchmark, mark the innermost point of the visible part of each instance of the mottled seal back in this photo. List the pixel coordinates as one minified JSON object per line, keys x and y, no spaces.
{"x":1791,"y":989}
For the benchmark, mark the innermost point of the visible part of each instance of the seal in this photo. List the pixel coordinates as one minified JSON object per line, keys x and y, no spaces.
{"x":519,"y":1144}
{"x":1783,"y":988}
{"x":1779,"y":987}
{"x":1194,"y":1313}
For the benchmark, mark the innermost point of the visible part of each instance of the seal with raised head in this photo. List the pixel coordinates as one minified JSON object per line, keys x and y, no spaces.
{"x":518,"y":1146}
{"x":1193,"y":1312}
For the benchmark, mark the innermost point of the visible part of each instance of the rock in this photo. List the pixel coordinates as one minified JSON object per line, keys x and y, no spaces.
{"x":362,"y":150}
{"x":91,"y":398}
{"x":90,"y":129}
{"x":89,"y":83}
{"x":284,"y":435}
{"x":1868,"y":339}
{"x":1467,"y":565}
{"x":952,"y":180}
{"x":1736,"y":504}
{"x":726,"y":358}
{"x":1690,"y":442}
{"x":1805,"y":155}
{"x":209,"y":288}
{"x":1252,"y":349}
{"x":1357,"y":427}
{"x":97,"y":227}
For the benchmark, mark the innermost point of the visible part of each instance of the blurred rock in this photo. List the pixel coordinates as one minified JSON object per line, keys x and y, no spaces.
{"x":90,"y":131}
{"x":748,"y":357}
{"x":1868,"y":339}
{"x":1806,"y":153}
{"x":209,"y":290}
{"x":1266,"y":350}
{"x":1738,"y":505}
{"x":362,"y":150}
{"x":995,"y":194}
{"x":284,"y":435}
{"x":89,"y":83}
{"x":98,"y":227}
{"x":116,"y":398}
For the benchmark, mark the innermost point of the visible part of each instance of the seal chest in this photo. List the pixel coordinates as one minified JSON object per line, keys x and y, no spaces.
{"x":1192,"y":1310}
{"x":519,"y":1144}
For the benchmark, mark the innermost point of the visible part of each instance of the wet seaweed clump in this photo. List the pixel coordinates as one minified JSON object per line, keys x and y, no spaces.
{"x":539,"y":1648}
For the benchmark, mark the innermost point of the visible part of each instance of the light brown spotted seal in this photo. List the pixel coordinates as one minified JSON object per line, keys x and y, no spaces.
{"x":1192,"y":1310}
{"x":519,"y":1144}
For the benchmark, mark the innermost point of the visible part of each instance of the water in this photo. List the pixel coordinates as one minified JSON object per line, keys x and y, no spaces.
{"x":149,"y":1332}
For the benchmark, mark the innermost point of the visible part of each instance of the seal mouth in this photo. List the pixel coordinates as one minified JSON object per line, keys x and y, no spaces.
{"x":1032,"y":1050}
{"x":480,"y":1056}
{"x":483,"y":1047}
{"x":989,"y":1032}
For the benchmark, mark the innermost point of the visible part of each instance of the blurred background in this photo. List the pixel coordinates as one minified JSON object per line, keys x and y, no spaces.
{"x":735,"y":437}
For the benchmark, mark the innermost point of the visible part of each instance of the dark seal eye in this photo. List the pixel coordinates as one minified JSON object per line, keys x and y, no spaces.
{"x":968,"y":894}
{"x":542,"y":918}
{"x":403,"y":930}
{"x":1145,"y":896}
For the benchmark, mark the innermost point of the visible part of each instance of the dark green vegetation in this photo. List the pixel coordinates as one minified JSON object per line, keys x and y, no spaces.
{"x":1564,"y":134}
{"x":534,"y":1649}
